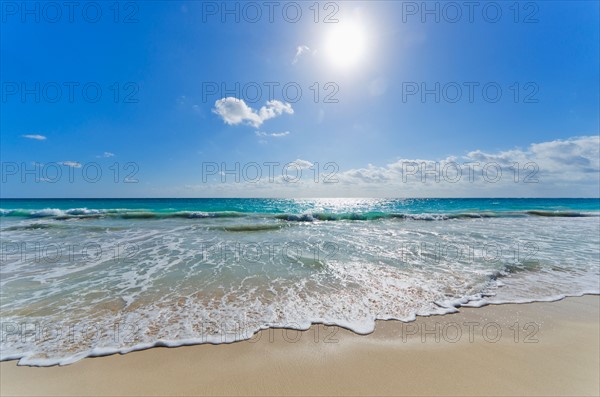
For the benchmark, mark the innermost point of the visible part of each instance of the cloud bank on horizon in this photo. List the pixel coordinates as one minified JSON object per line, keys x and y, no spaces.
{"x":559,"y":168}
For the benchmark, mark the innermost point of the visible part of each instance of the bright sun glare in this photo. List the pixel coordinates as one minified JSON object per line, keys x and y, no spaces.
{"x":345,"y":45}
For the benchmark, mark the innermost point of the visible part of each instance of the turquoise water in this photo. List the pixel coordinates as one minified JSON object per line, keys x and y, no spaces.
{"x":299,"y":206}
{"x":88,"y":277}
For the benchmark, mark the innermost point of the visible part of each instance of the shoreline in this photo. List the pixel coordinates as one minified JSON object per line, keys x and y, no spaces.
{"x":545,"y":348}
{"x":172,"y":344}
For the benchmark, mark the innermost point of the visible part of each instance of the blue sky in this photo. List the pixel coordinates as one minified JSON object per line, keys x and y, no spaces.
{"x":169,"y":125}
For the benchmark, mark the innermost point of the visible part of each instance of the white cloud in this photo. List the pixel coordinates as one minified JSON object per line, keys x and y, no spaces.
{"x":234,"y":111}
{"x":35,"y":136}
{"x":301,"y":49}
{"x":569,"y":159}
{"x":280,"y":134}
{"x":568,"y":168}
{"x":559,"y":168}
{"x":272,"y":134}
{"x":73,"y":164}
{"x":106,"y":155}
{"x":274,"y":109}
{"x":302,"y":164}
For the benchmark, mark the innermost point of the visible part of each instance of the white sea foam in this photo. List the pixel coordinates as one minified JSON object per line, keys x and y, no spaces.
{"x":176,"y":282}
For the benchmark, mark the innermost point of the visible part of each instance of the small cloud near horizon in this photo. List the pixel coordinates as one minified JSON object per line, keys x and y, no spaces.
{"x":72,"y":164}
{"x":272,"y":134}
{"x":35,"y":137}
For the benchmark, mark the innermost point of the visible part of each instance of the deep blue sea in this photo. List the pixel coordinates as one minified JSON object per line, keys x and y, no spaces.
{"x":86,"y":277}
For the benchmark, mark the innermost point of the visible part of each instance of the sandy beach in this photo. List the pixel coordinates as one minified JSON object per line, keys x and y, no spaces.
{"x":514,"y":349}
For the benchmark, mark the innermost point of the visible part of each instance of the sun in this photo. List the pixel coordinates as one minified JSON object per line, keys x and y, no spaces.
{"x":345,"y":45}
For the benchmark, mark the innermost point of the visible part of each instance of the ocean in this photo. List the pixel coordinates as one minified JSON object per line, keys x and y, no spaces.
{"x":90,"y":277}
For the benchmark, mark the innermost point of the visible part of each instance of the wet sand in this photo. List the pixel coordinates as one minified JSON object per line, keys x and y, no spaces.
{"x":517,"y":349}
